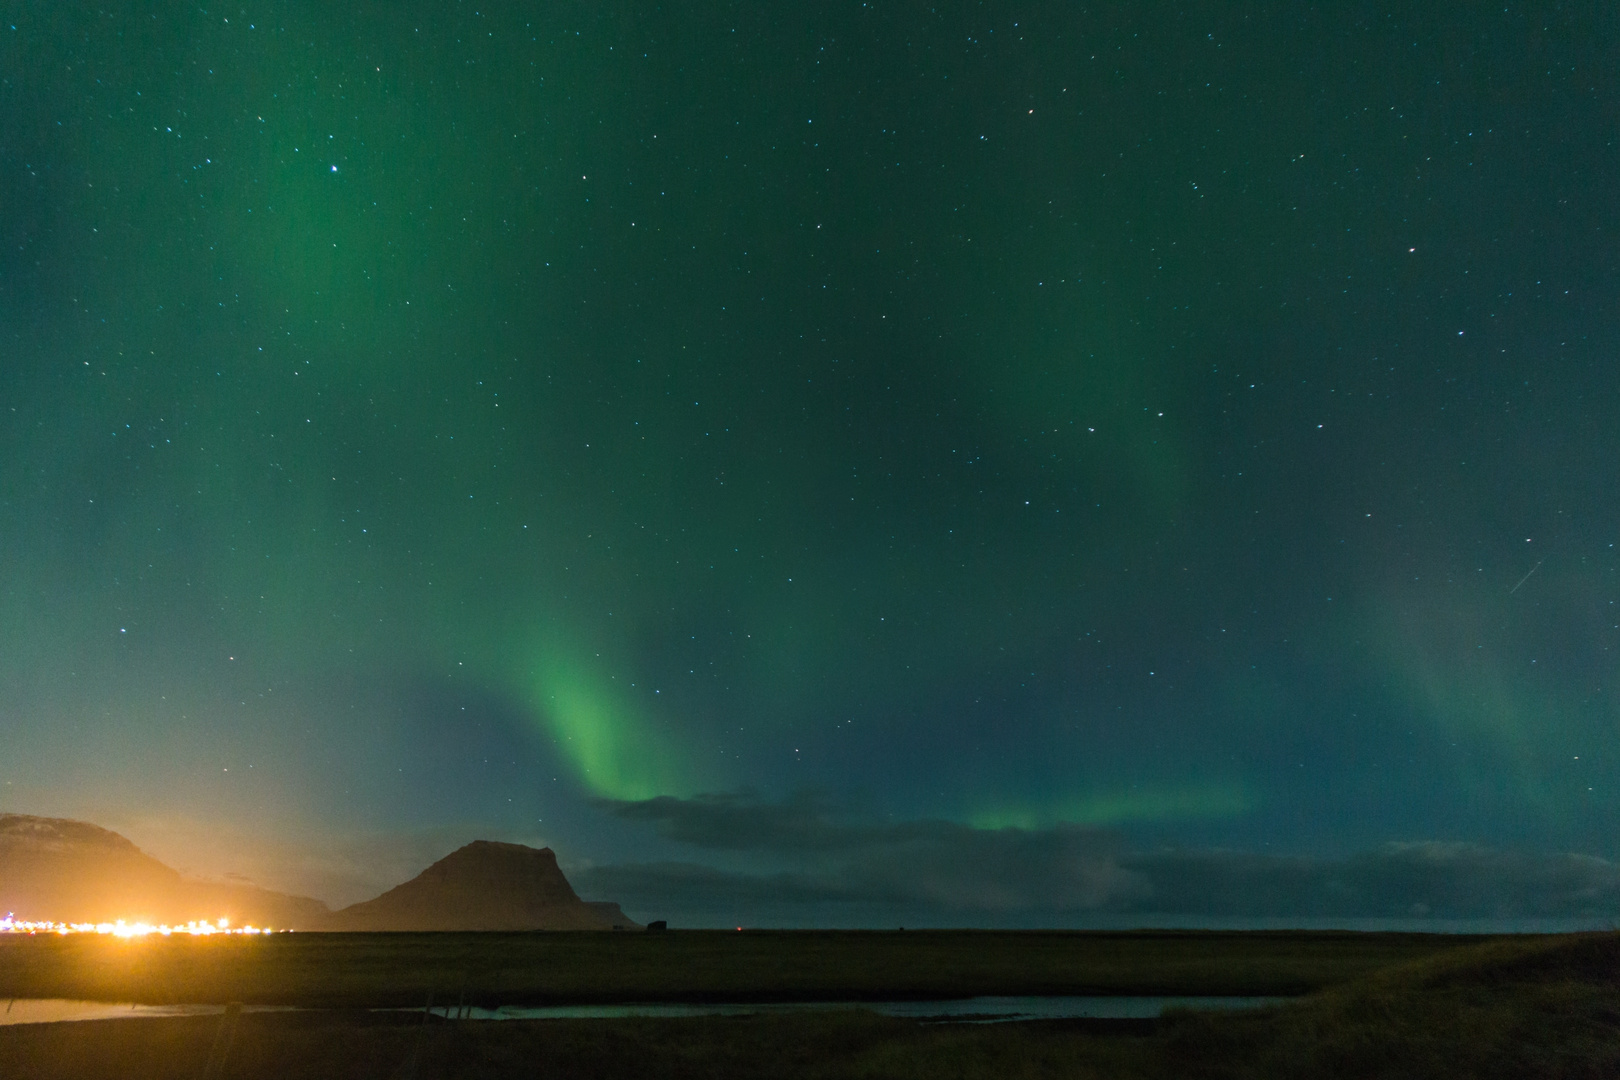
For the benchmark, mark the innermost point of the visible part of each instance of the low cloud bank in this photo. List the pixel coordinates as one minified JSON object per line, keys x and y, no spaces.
{"x":1424,"y":879}
{"x":826,"y":868}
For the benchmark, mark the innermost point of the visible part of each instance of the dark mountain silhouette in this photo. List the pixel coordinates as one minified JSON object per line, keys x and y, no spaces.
{"x":68,"y":871}
{"x":61,"y":870}
{"x":484,"y":886}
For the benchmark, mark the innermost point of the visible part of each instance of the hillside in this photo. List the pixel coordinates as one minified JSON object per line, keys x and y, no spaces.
{"x":485,"y":885}
{"x":59,"y":870}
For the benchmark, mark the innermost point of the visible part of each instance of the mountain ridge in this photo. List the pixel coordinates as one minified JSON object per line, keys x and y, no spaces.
{"x":484,"y":885}
{"x":64,"y":870}
{"x":72,"y":871}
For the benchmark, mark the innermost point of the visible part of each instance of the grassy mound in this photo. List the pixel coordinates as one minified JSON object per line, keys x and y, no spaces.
{"x":1537,"y":1008}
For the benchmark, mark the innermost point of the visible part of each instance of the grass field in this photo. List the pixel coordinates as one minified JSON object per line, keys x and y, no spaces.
{"x":374,"y":970}
{"x":1508,"y":1009}
{"x":1527,"y":1008}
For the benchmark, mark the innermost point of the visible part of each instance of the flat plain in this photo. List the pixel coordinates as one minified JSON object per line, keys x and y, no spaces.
{"x":1502,"y":1008}
{"x":395,"y":970}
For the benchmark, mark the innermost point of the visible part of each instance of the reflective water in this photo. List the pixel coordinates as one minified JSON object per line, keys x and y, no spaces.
{"x":964,"y":1010}
{"x":979,"y":1009}
{"x":54,"y":1010}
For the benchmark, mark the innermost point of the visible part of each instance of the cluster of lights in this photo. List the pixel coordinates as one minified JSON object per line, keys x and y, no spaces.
{"x":195,"y":928}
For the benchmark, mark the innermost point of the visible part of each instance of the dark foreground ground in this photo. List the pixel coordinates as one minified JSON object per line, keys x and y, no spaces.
{"x":374,"y":970}
{"x":1522,"y":1008}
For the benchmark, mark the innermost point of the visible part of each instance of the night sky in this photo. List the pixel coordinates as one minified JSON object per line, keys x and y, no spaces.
{"x":976,"y":463}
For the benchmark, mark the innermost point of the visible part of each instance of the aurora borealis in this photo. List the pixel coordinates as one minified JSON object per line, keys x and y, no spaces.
{"x":1026,"y":432}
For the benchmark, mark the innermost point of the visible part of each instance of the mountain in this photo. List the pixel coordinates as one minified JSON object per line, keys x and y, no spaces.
{"x":486,"y":885}
{"x":58,"y":870}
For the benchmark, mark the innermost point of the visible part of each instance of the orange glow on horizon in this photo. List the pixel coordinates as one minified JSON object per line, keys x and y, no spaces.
{"x":122,"y":929}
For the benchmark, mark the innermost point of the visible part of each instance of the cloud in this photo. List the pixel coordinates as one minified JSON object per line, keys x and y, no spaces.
{"x":937,"y":864}
{"x":739,"y":821}
{"x":690,"y":885}
{"x":1427,"y":879}
{"x":821,"y":861}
